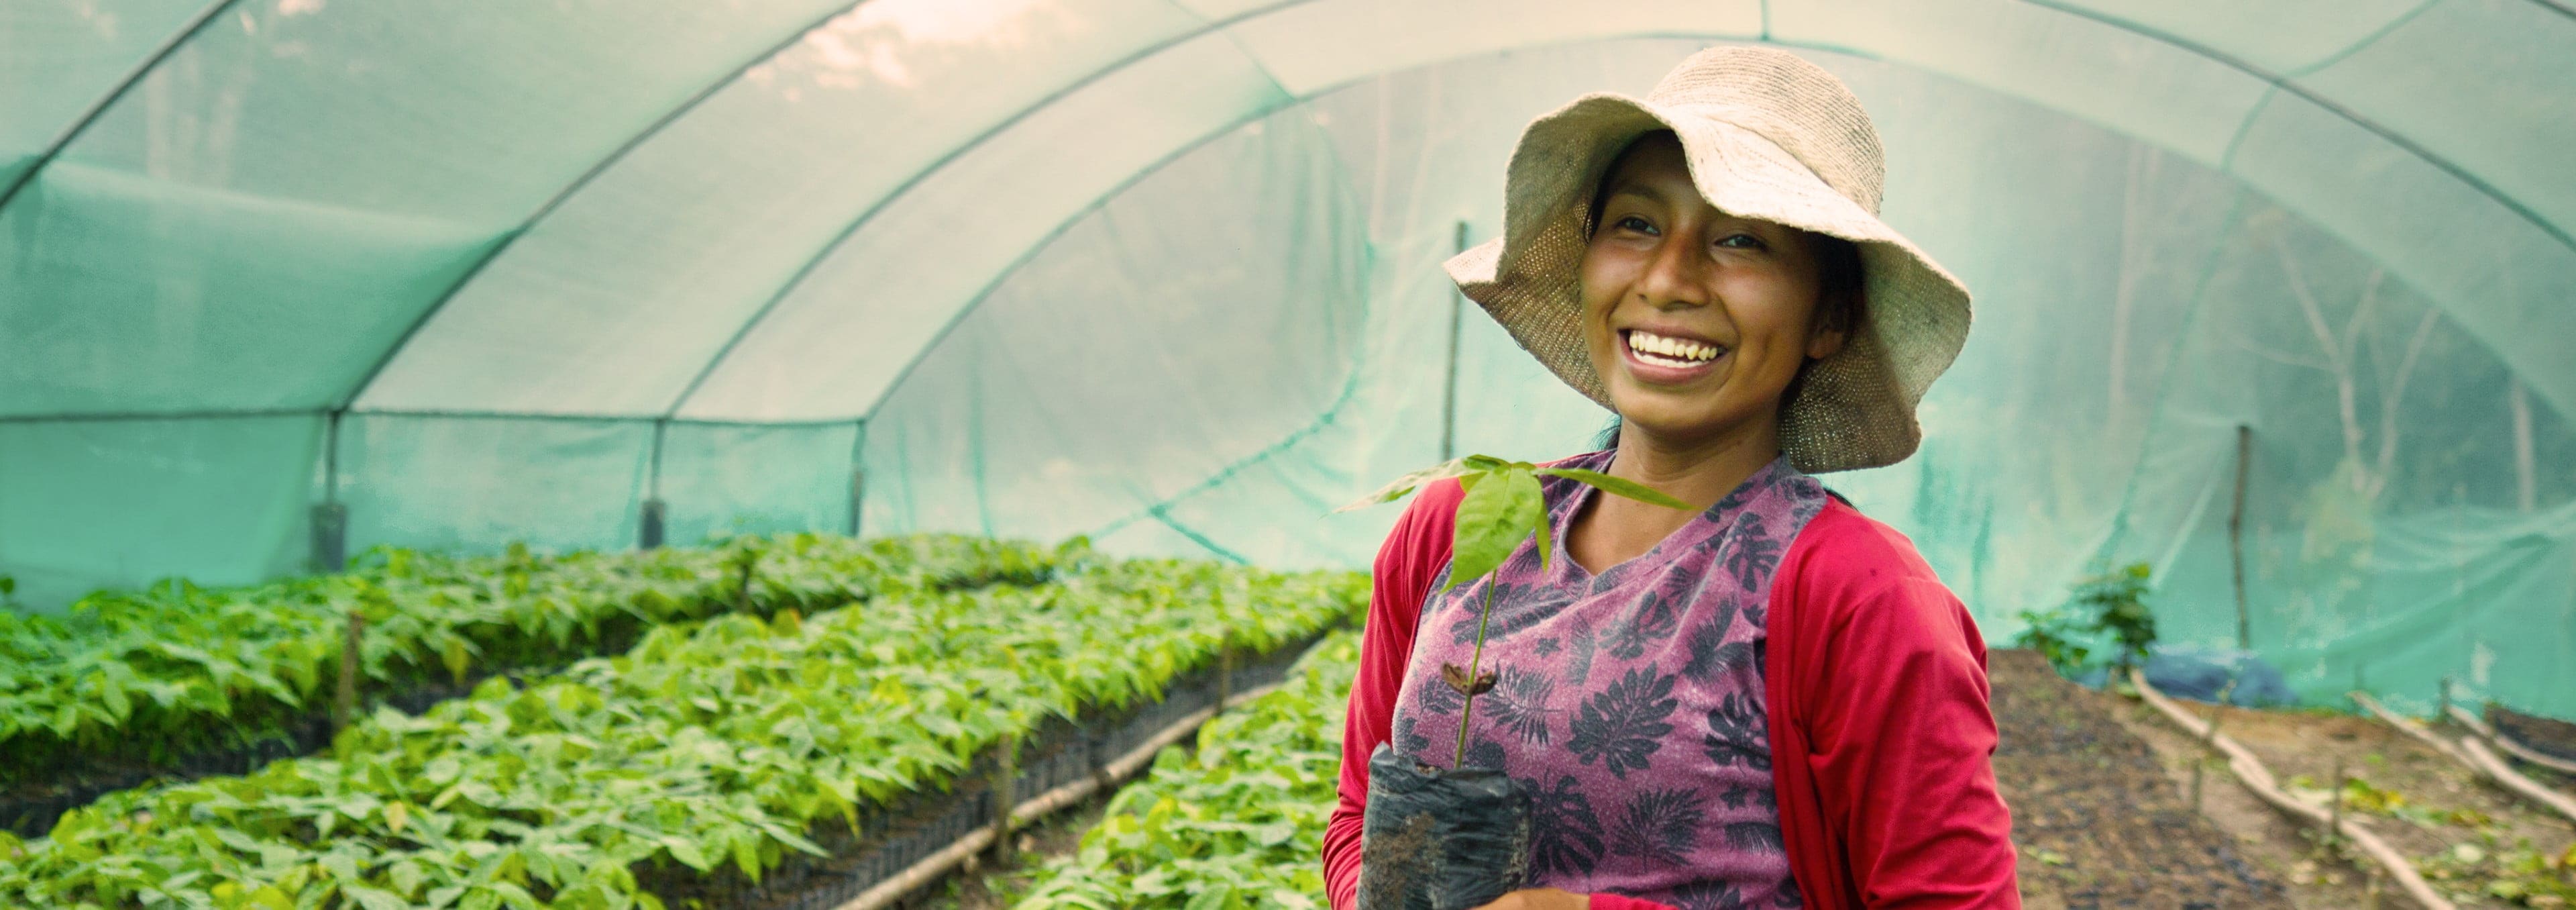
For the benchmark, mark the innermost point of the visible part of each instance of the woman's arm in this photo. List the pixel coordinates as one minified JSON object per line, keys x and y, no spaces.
{"x":1412,"y":557}
{"x":1897,"y":728}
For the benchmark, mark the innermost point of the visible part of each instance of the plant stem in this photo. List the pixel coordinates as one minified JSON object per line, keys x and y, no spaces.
{"x":1474,"y":658}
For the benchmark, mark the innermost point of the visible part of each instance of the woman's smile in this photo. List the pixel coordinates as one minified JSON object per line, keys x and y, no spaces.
{"x":1670,"y":357}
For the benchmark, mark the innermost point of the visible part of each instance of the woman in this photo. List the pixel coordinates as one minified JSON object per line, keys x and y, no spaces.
{"x":1770,"y":702}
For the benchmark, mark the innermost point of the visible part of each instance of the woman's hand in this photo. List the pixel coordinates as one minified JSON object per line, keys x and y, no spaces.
{"x":1540,"y":899}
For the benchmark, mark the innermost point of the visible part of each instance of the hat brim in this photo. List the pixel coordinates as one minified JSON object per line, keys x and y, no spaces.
{"x":1854,"y":409}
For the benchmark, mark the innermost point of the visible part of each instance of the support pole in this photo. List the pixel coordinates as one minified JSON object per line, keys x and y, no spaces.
{"x":1449,"y":389}
{"x":330,"y":518}
{"x":2236,"y":535}
{"x":650,"y":523}
{"x":858,"y":479}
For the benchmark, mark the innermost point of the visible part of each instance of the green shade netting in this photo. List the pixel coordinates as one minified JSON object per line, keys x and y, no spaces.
{"x":1166,"y":273}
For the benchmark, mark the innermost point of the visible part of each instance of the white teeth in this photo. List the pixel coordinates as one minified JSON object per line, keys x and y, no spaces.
{"x":1673,"y":351}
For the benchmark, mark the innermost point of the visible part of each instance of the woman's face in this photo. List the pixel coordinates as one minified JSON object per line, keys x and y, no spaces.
{"x":1696,"y":319}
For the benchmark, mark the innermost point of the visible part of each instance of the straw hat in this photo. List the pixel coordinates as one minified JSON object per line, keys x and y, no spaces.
{"x":1767,"y":135}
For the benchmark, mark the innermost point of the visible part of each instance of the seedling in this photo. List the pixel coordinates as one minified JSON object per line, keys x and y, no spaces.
{"x":1503,"y":507}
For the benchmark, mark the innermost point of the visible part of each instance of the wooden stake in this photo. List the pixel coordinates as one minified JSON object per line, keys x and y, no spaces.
{"x":1005,"y":777}
{"x":2236,"y":534}
{"x":2217,"y":712}
{"x":344,"y":703}
{"x":2334,"y":808}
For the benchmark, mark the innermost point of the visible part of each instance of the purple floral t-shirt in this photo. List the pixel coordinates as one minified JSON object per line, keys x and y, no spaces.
{"x":1630,"y":703}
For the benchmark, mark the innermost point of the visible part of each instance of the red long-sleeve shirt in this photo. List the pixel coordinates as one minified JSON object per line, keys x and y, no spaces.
{"x":1876,"y":690}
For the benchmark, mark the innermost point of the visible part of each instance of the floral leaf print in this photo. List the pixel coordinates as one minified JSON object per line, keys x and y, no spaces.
{"x":1544,"y":648}
{"x":1709,"y":650}
{"x":1735,"y":796}
{"x":1409,"y":742}
{"x":1521,"y":705}
{"x":1659,"y":827}
{"x":1753,"y":552}
{"x":1705,"y":895}
{"x":1737,"y":734}
{"x":1654,"y":619}
{"x":1565,"y":835}
{"x":1623,"y":725}
{"x":1486,"y":754}
{"x":1756,"y":836}
{"x":1578,"y":669}
{"x":1516,"y":607}
{"x":1437,"y":699}
{"x":1788,"y":897}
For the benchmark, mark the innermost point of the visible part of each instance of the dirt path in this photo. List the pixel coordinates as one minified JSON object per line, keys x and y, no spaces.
{"x":2098,"y":822}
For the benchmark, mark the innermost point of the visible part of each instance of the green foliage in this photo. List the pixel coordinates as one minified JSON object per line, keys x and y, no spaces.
{"x":2107,"y":614}
{"x":1236,"y":826}
{"x":2517,"y":874}
{"x":175,"y":669}
{"x":1503,"y":506}
{"x":697,"y":762}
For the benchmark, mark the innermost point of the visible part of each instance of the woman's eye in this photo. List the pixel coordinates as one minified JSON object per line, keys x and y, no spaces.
{"x":1741,"y":241}
{"x":1633,"y":223}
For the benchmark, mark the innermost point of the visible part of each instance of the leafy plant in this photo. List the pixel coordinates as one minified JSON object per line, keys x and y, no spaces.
{"x":2518,"y":874}
{"x":2060,"y":635}
{"x":688,"y":768}
{"x":141,"y":678}
{"x":2107,"y":613}
{"x":1236,"y":826}
{"x":1503,"y":506}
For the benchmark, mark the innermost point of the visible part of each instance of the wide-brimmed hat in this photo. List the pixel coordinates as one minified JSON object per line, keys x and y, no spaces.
{"x":1770,"y":136}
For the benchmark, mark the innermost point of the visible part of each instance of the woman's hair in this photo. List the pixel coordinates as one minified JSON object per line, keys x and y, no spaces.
{"x":1841,"y":304}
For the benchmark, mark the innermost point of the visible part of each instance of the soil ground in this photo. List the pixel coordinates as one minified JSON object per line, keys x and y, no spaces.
{"x":2441,"y":806}
{"x":2097,"y":822}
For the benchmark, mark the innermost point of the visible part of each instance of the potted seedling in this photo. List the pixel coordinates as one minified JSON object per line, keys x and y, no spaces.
{"x":1455,"y":838}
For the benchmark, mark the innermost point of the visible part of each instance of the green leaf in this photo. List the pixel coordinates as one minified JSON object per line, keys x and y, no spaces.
{"x":375,"y":899}
{"x":1608,"y":484}
{"x":1415,"y":481}
{"x":687,"y":851}
{"x":1493,"y":519}
{"x":454,"y":656}
{"x":1219,"y":897}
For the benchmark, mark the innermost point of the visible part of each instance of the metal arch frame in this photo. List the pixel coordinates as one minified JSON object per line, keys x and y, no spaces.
{"x":511,"y":237}
{"x":2284,"y":83}
{"x":796,"y":279}
{"x":214,"y":9}
{"x":97,"y":108}
{"x":2275,"y":80}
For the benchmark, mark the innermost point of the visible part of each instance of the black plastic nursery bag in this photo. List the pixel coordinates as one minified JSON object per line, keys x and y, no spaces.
{"x":1440,"y":839}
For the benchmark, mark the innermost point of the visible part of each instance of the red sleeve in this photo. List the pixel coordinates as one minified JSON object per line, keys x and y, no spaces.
{"x":1412,"y":557}
{"x":1623,"y":902}
{"x":1898,"y":735}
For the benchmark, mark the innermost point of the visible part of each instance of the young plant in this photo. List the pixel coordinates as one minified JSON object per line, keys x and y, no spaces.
{"x":2111,"y":605}
{"x":1503,"y":507}
{"x":2118,"y":600}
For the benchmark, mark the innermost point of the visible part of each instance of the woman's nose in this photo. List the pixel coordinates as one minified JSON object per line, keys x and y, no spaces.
{"x":1676,"y":276}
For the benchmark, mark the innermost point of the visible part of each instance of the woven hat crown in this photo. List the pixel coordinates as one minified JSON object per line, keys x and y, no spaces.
{"x":1796,"y":104}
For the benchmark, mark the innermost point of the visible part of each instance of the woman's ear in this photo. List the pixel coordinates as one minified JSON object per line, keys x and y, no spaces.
{"x":1831,"y":330}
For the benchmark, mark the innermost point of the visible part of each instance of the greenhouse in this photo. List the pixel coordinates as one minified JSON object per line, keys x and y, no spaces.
{"x":609,"y":304}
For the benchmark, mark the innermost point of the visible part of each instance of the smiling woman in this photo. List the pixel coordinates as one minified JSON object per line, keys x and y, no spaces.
{"x":1765,"y":700}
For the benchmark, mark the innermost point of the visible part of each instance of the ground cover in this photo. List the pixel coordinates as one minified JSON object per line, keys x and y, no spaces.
{"x":1236,"y":823}
{"x":708,"y":752}
{"x":176,"y":677}
{"x":2478,"y":845}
